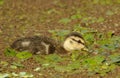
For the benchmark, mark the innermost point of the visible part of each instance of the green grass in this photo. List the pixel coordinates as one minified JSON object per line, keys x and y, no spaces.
{"x":105,"y":60}
{"x":107,"y":46}
{"x":104,"y":45}
{"x":1,"y":2}
{"x":20,"y":55}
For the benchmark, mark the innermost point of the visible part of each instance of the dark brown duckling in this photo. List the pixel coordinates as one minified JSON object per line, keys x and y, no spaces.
{"x":44,"y":45}
{"x":35,"y":45}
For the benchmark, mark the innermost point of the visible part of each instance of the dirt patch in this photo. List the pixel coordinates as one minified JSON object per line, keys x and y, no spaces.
{"x":20,"y":18}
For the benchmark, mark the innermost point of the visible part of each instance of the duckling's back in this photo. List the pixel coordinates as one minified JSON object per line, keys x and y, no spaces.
{"x":35,"y":44}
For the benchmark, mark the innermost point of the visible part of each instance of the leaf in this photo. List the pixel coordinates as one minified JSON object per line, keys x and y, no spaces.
{"x":95,"y":1}
{"x":13,"y":67}
{"x":74,"y":65}
{"x":4,"y":63}
{"x":109,"y":12}
{"x":95,"y":65}
{"x":22,"y":73}
{"x":53,"y":58}
{"x":116,"y":41}
{"x":17,"y":64}
{"x":109,"y":34}
{"x":61,"y":68}
{"x":115,"y":58}
{"x":94,"y":61}
{"x":100,"y":19}
{"x":85,"y":20}
{"x":109,"y":42}
{"x":37,"y":69}
{"x":24,"y":55}
{"x":1,"y":2}
{"x":76,"y":16}
{"x":4,"y":75}
{"x":59,"y":34}
{"x":62,"y":32}
{"x":118,"y":1}
{"x":10,"y":52}
{"x":64,"y":20}
{"x":25,"y":75}
{"x":75,"y":55}
{"x":49,"y":60}
{"x":89,"y":37}
{"x":14,"y":74}
{"x":80,"y":29}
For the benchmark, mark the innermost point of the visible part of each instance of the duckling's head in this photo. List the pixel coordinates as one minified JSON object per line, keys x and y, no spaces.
{"x":74,"y":41}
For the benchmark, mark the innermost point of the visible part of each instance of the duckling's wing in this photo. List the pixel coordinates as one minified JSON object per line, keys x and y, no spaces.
{"x":35,"y":44}
{"x":21,"y":44}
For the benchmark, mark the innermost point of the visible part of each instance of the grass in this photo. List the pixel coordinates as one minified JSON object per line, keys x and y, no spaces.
{"x":1,"y":2}
{"x":107,"y":47}
{"x":102,"y":57}
{"x":105,"y":60}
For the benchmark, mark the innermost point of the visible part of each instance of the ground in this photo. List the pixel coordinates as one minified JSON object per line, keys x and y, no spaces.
{"x":21,"y":18}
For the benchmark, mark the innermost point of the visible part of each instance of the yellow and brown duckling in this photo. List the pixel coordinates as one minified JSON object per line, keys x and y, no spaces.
{"x":44,"y":45}
{"x":74,"y":41}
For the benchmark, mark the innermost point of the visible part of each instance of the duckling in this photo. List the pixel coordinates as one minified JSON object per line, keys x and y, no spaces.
{"x":74,"y":41}
{"x":44,"y":45}
{"x":35,"y":45}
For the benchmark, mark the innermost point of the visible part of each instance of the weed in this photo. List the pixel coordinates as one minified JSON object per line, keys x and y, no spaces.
{"x":20,"y":55}
{"x":10,"y":52}
{"x":59,"y":34}
{"x":1,"y":2}
{"x":79,"y":60}
{"x":103,"y":2}
{"x":101,"y":63}
{"x":24,"y":55}
{"x":65,"y":20}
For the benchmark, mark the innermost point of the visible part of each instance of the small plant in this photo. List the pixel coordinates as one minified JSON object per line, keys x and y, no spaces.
{"x":76,"y":16}
{"x":103,"y":2}
{"x":110,"y":13}
{"x":10,"y":52}
{"x":104,"y":45}
{"x":59,"y":34}
{"x":1,"y":2}
{"x":97,"y":64}
{"x":20,"y":55}
{"x":16,"y":75}
{"x":64,"y":20}
{"x":48,"y":60}
{"x":101,"y":43}
{"x":24,"y":55}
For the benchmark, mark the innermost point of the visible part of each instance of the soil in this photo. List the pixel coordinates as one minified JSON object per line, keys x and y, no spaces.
{"x":21,"y":18}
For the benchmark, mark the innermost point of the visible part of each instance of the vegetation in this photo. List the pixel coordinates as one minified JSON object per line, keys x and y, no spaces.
{"x":1,"y":2}
{"x":103,"y":47}
{"x":105,"y":60}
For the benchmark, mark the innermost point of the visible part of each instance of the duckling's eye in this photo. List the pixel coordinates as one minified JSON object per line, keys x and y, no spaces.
{"x":79,"y":41}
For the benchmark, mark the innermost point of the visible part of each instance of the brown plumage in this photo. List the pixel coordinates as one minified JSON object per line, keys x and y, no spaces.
{"x":44,"y":45}
{"x":35,"y":45}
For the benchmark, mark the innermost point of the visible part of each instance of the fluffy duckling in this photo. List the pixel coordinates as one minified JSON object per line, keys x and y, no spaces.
{"x":74,"y":41}
{"x":44,"y":45}
{"x":35,"y":45}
